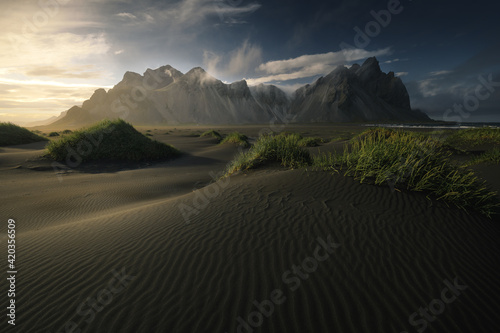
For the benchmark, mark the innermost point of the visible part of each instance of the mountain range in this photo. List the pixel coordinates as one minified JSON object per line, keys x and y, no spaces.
{"x":167,"y":96}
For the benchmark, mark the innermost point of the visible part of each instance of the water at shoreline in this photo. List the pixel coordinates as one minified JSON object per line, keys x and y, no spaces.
{"x":437,"y":126}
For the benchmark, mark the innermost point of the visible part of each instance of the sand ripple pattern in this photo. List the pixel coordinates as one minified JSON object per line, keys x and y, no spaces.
{"x":396,"y":249}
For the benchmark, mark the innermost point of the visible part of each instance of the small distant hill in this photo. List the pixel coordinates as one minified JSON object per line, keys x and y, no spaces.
{"x":11,"y":134}
{"x":109,"y":140}
{"x":167,"y":96}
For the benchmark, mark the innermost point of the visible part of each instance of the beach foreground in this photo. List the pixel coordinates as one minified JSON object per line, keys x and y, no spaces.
{"x":163,"y":247}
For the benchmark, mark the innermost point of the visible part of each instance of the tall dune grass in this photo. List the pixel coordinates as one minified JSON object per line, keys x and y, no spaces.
{"x":489,"y":157}
{"x":470,"y":138}
{"x":237,"y":138}
{"x":413,"y":162}
{"x":282,"y":149}
{"x":213,"y":134}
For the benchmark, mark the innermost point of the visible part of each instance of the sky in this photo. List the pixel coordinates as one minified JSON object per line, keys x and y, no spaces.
{"x":55,"y":53}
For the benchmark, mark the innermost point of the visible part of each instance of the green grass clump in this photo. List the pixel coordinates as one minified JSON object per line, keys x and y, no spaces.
{"x":310,"y":142}
{"x":282,"y":149}
{"x":212,"y":133}
{"x":11,"y":134}
{"x":237,"y":138}
{"x":67,"y":131}
{"x":489,"y":157}
{"x":327,"y":162}
{"x":342,"y":136}
{"x":53,"y":134}
{"x":110,"y":140}
{"x":470,"y":138}
{"x":302,"y":141}
{"x":377,"y":132}
{"x":414,"y":162}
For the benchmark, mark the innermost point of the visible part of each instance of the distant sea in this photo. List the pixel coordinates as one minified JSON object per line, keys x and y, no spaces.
{"x":438,"y":125}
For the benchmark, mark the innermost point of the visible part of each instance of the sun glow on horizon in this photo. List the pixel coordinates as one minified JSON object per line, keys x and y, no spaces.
{"x":51,"y":83}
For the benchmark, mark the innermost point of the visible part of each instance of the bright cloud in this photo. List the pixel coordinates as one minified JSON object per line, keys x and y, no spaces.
{"x":439,"y":73}
{"x":394,"y":60}
{"x":240,"y":61}
{"x":311,"y":65}
{"x":44,"y":74}
{"x":48,"y":83}
{"x":429,"y":87}
{"x":139,"y":18}
{"x":127,"y":16}
{"x":148,"y":18}
{"x":330,"y":58}
{"x":188,"y":13}
{"x":73,"y":72}
{"x":36,"y":99}
{"x":48,"y":65}
{"x":289,"y":88}
{"x":63,"y":48}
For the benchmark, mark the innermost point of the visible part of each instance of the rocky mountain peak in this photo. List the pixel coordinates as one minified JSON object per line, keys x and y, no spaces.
{"x":166,"y":70}
{"x":97,"y":98}
{"x":198,"y":76}
{"x":360,"y":93}
{"x":369,"y":71}
{"x":165,"y":95}
{"x":239,"y":85}
{"x":131,"y":77}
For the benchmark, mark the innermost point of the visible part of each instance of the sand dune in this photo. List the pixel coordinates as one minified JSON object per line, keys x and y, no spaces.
{"x":390,"y":253}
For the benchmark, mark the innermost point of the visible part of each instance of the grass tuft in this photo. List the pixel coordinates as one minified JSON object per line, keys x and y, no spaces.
{"x":489,"y":157}
{"x":213,"y":134}
{"x":237,"y":138}
{"x":414,"y":162}
{"x":11,"y":134}
{"x":282,"y":149}
{"x":310,"y":142}
{"x":470,"y":138}
{"x":53,"y":134}
{"x":110,"y":140}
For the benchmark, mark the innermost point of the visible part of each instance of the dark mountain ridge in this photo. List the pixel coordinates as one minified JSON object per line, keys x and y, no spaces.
{"x":167,"y":96}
